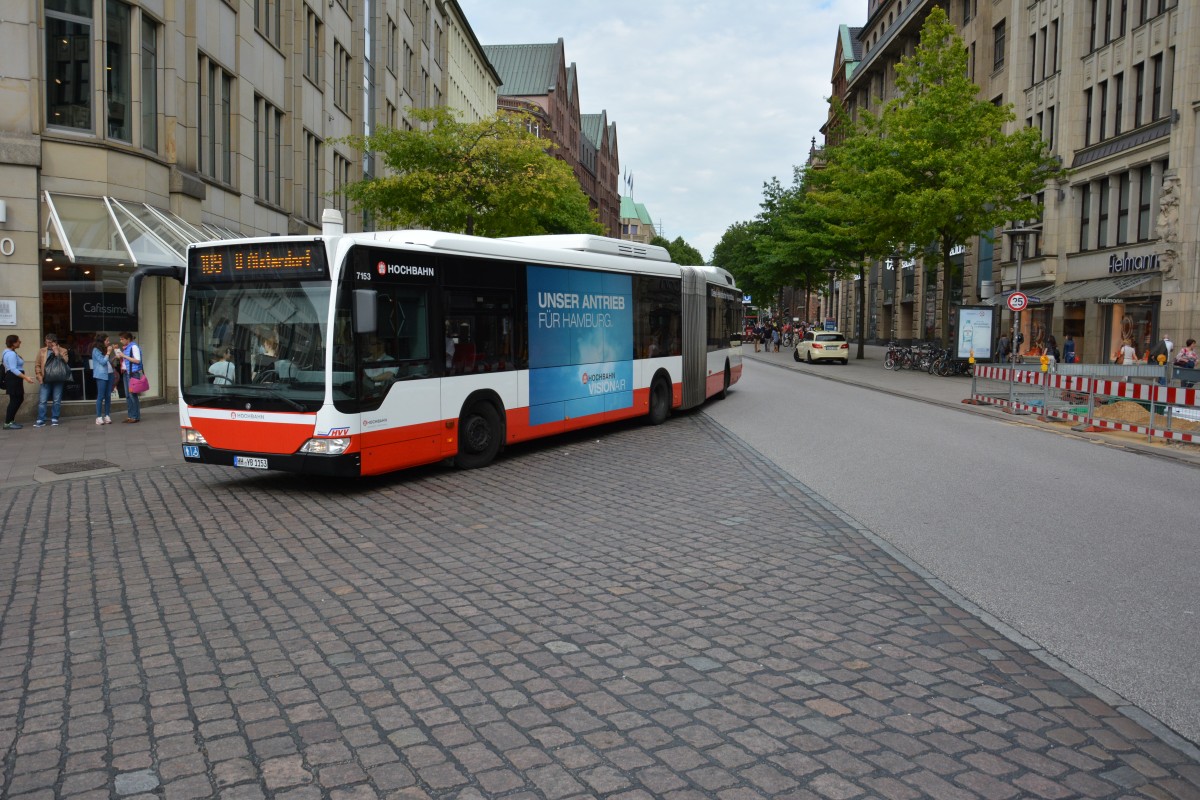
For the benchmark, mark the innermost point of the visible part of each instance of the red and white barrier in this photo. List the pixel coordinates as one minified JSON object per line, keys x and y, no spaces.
{"x":1088,"y":389}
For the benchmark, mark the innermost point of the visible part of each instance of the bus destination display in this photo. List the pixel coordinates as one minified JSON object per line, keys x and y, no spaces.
{"x":265,"y":261}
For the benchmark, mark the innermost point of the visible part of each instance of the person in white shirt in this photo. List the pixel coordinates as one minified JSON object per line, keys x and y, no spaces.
{"x":223,"y":370}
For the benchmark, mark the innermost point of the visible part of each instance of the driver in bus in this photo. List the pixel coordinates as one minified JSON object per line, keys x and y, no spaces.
{"x":380,"y":368}
{"x":222,"y":370}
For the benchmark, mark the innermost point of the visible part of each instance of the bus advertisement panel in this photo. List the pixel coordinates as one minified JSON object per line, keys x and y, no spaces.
{"x":580,"y":343}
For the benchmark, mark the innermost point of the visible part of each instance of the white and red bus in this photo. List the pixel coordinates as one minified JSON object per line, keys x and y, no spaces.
{"x":358,"y":354}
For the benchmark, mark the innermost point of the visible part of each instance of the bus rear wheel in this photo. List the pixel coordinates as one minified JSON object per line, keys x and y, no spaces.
{"x":660,"y":402}
{"x":479,"y":436}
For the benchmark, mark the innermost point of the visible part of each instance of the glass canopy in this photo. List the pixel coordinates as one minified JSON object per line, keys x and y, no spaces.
{"x":104,"y":230}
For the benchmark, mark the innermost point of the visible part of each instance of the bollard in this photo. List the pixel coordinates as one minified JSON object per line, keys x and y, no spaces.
{"x":1045,"y":417}
{"x":1153,"y":402}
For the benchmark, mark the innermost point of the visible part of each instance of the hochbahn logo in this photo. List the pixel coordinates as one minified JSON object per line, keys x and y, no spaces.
{"x":602,"y":382}
{"x":406,"y":270}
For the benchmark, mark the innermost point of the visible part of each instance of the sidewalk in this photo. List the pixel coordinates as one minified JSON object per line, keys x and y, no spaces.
{"x":81,"y":449}
{"x":869,"y":373}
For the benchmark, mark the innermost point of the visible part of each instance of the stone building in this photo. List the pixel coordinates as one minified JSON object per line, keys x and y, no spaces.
{"x":1112,"y":88}
{"x":133,"y":127}
{"x":636,"y":222}
{"x":537,"y":79}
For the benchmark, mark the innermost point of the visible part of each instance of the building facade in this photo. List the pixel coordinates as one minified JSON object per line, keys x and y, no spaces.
{"x":1113,"y":87}
{"x":537,"y":79}
{"x":134,"y":127}
{"x":471,"y":79}
{"x":636,"y":223}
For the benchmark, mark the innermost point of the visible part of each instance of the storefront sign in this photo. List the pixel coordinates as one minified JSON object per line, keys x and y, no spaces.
{"x":1118,"y":264}
{"x":7,"y":246}
{"x":8,"y":312}
{"x":101,"y":311}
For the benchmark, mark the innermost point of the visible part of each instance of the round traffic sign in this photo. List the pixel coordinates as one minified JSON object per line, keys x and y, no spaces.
{"x":1017,"y":301}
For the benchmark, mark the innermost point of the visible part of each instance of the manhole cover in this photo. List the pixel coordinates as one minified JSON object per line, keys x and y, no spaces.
{"x":68,"y":467}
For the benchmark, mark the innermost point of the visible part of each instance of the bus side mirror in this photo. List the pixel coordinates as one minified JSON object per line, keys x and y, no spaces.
{"x":364,"y":311}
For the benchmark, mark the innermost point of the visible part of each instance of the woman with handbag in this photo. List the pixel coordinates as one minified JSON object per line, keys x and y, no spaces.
{"x":53,"y":372}
{"x":14,"y":381}
{"x":1186,"y":358}
{"x":134,"y":376}
{"x":103,"y":372}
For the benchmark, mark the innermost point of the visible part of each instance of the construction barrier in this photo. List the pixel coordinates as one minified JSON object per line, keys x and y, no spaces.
{"x":1097,"y":402}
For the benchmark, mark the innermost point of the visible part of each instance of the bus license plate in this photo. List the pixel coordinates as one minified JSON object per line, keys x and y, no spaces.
{"x":252,"y":463}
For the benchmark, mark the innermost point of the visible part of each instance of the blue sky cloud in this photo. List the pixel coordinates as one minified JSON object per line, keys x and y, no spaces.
{"x":710,"y":99}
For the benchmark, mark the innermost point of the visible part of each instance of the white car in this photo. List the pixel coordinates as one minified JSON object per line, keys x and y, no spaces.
{"x":823,"y":346}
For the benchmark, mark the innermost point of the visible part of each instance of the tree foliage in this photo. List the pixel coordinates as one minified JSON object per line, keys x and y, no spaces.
{"x":488,"y":178}
{"x":796,"y":240}
{"x":681,"y":252}
{"x":935,"y":169}
{"x":737,"y":252}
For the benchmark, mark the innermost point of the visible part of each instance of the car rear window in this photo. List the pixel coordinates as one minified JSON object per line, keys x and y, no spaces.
{"x":830,"y":337}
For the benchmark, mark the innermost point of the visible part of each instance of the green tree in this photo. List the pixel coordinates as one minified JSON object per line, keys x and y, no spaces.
{"x":737,"y":252}
{"x":806,"y":241}
{"x":681,"y":252}
{"x":935,"y":168}
{"x":488,"y":178}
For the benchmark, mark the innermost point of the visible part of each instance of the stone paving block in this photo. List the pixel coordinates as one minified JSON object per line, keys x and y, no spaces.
{"x":279,"y":637}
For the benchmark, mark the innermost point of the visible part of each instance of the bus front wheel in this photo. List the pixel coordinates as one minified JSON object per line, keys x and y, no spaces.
{"x":660,"y":402}
{"x":479,"y":436}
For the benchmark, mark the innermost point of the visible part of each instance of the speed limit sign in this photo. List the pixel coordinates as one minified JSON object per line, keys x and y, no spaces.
{"x":1017,"y":301}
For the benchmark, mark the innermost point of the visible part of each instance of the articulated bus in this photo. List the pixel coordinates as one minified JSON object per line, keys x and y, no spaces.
{"x":359,"y":354}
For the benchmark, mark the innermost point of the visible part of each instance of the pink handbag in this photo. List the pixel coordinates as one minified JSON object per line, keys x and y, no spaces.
{"x":139,"y":383}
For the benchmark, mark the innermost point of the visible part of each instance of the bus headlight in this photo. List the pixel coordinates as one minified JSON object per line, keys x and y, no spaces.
{"x":193,"y":436}
{"x":325,"y":447}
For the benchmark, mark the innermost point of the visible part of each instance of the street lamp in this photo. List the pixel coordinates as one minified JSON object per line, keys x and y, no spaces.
{"x":831,"y":306}
{"x":895,"y":260}
{"x":1018,"y":239}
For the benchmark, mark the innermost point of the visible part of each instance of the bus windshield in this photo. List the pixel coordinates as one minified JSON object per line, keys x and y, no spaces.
{"x":257,"y":345}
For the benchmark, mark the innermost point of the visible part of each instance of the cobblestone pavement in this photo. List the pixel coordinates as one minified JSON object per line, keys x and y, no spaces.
{"x":631,"y":613}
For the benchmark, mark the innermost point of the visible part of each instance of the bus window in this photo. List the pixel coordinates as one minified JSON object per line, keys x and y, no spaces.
{"x":481,"y":325}
{"x":399,"y":347}
{"x":658,"y":314}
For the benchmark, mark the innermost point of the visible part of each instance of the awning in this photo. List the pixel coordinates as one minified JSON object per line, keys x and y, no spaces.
{"x":105,"y":230}
{"x":1037,"y":295}
{"x":1102,"y":287}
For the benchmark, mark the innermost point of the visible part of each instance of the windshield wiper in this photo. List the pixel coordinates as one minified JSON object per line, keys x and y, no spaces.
{"x":279,"y":395}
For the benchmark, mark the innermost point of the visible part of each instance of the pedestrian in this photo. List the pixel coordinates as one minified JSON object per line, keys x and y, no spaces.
{"x":1126,"y":354}
{"x":1186,"y":358}
{"x":1159,"y":355}
{"x":131,"y":358}
{"x":775,"y":339}
{"x":1002,"y":348}
{"x":1069,"y":350}
{"x":53,"y":373}
{"x":1052,"y":348}
{"x":1161,"y":352}
{"x":104,"y":374}
{"x":14,"y":381}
